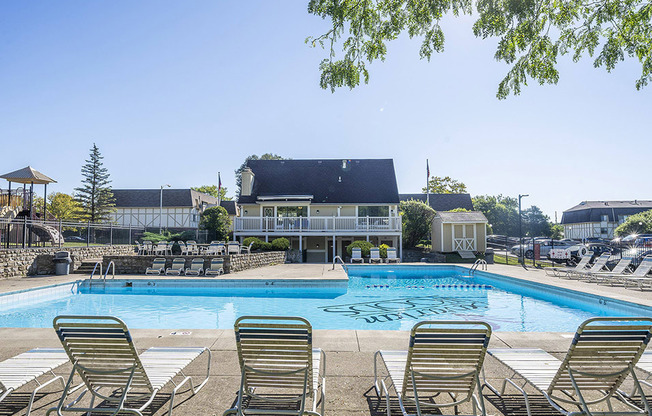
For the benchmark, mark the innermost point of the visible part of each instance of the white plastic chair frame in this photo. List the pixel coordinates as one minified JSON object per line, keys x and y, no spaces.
{"x":443,"y":357}
{"x":104,"y":356}
{"x":565,"y":271}
{"x":196,"y":267}
{"x":374,"y":255}
{"x":178,"y":267}
{"x":391,"y":256}
{"x":597,"y":345}
{"x":216,"y":268}
{"x":158,"y":266}
{"x":356,"y":255}
{"x":276,"y":352}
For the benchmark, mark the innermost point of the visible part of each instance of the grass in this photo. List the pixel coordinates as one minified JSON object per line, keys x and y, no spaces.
{"x":513,"y":261}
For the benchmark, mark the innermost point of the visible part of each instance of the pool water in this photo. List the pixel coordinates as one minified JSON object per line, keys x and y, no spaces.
{"x":375,"y":298}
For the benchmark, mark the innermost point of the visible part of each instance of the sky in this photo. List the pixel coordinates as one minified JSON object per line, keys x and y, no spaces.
{"x":175,"y":92}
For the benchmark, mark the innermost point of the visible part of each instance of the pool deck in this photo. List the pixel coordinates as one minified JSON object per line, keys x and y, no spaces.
{"x":349,"y":352}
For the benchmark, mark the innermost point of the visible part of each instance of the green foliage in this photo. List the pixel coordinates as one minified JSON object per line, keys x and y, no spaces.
{"x":238,"y":172}
{"x":556,"y":231}
{"x":535,"y":223}
{"x":459,"y":210}
{"x":94,"y":196}
{"x":257,"y":242}
{"x":266,"y":246}
{"x":213,"y":191}
{"x":531,"y":35}
{"x":501,"y":212}
{"x":63,"y":206}
{"x":216,"y":220}
{"x":281,"y":244}
{"x":416,"y":217}
{"x":363,"y":245}
{"x":640,"y":223}
{"x":383,"y":250}
{"x":155,"y":237}
{"x":445,"y":185}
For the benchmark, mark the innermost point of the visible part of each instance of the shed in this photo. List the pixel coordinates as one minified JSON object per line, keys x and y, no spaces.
{"x":459,"y":231}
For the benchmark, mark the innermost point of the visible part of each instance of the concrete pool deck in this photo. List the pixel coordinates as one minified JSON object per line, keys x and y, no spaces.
{"x":349,"y":352}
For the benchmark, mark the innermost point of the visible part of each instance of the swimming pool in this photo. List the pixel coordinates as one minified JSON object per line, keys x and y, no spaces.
{"x":375,"y":297}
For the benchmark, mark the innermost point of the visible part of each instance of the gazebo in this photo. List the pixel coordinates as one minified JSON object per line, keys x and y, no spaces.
{"x":31,"y":176}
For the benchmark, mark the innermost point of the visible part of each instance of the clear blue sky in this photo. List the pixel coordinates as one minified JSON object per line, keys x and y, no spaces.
{"x":173,"y":92}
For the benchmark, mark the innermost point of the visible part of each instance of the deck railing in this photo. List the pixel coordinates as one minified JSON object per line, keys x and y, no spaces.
{"x":317,"y":224}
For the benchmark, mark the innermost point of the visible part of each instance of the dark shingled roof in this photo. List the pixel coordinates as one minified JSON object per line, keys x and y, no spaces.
{"x":443,"y":202}
{"x":592,"y":211}
{"x":150,"y":198}
{"x":330,"y":181}
{"x":229,"y":206}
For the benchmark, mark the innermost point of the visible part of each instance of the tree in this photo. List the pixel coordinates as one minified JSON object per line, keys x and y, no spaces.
{"x":445,"y":185}
{"x":238,"y":172}
{"x":216,"y":220}
{"x":532,"y":35}
{"x":213,"y":191}
{"x":535,"y":222}
{"x":95,"y":196}
{"x":416,"y":217}
{"x":556,"y":231}
{"x":501,"y":212}
{"x":63,"y":206}
{"x":640,"y":223}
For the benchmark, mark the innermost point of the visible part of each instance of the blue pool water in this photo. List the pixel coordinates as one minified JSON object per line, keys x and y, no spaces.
{"x":376,"y":297}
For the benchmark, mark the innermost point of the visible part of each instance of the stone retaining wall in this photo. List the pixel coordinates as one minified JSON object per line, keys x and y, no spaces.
{"x":232,"y":263}
{"x":38,"y":260}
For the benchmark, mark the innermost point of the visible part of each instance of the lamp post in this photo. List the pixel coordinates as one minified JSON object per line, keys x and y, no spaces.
{"x":520,"y":230}
{"x":160,"y":212}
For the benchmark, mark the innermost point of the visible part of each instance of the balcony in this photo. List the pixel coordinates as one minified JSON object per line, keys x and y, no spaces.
{"x":297,"y":225}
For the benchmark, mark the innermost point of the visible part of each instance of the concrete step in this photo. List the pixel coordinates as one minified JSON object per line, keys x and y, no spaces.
{"x":87,"y":266}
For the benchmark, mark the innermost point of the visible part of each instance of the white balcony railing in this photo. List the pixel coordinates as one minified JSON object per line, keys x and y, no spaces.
{"x":317,"y":224}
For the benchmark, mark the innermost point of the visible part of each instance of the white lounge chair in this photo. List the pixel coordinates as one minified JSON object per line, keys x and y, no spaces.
{"x":391,"y":256}
{"x":196,"y":267}
{"x":178,"y":267}
{"x":276,"y":355}
{"x":247,"y":249}
{"x":640,"y":276}
{"x":158,"y":266}
{"x":104,"y":356}
{"x":602,"y":355}
{"x":28,"y":367}
{"x":619,"y":269}
{"x":599,"y":265}
{"x":374,"y":255}
{"x":233,"y":247}
{"x":564,"y":271}
{"x":444,"y":357}
{"x":356,"y":255}
{"x":216,"y":268}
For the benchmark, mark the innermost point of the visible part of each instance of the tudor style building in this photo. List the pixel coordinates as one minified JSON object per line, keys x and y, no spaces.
{"x":321,"y":206}
{"x":590,"y":219}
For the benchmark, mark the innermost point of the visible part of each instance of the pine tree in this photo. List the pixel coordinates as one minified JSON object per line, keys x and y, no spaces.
{"x":95,"y":195}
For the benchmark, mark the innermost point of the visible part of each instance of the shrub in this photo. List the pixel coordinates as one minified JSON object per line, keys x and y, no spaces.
{"x":266,"y":246}
{"x":154,"y":237}
{"x":257,"y":242}
{"x":281,"y":244}
{"x":417,"y":222}
{"x":383,"y":250}
{"x":365,"y":246}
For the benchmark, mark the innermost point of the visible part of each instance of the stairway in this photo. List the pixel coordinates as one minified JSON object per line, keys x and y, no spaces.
{"x":86,"y":267}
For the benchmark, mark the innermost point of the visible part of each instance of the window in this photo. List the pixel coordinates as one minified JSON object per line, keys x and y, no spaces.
{"x":373,"y":211}
{"x":604,"y":218}
{"x":292,"y":211}
{"x":603,"y":231}
{"x":622,"y":218}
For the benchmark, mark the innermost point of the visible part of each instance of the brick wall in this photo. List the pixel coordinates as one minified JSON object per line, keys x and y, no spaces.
{"x":38,"y":260}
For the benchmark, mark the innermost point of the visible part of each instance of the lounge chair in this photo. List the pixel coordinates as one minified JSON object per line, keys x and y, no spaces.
{"x":178,"y":266}
{"x":565,"y":271}
{"x":158,"y":266}
{"x":216,"y":268}
{"x":105,"y":357}
{"x":196,"y":267}
{"x":391,"y":256}
{"x":619,"y":269}
{"x":29,"y":366}
{"x":374,"y":255}
{"x":599,"y":265}
{"x":233,"y":247}
{"x":644,"y":364}
{"x":443,"y":357}
{"x":640,"y":276}
{"x":356,"y":255}
{"x":602,"y":354}
{"x":247,"y":249}
{"x":276,"y":355}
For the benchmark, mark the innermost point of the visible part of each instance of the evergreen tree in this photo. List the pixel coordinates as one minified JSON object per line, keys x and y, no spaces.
{"x":95,"y":196}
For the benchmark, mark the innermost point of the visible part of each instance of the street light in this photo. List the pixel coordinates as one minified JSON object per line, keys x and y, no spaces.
{"x":160,"y":212}
{"x":520,"y":230}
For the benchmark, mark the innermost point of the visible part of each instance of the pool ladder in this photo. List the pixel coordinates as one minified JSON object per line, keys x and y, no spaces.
{"x":335,"y":259}
{"x":110,"y":266}
{"x":479,"y":264}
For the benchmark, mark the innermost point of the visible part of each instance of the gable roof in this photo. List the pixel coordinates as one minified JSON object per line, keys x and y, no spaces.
{"x":592,"y":211}
{"x":472,"y":216}
{"x":150,"y":198}
{"x":230,"y":207}
{"x":329,"y":181}
{"x":443,"y":202}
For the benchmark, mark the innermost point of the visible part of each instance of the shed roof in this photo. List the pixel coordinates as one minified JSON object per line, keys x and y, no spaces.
{"x":27,"y":175}
{"x":329,"y":181}
{"x":442,"y":202}
{"x":470,"y":216}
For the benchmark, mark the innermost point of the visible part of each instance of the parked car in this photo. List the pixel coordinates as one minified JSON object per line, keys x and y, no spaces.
{"x":74,"y":239}
{"x":545,"y":244}
{"x":501,"y":240}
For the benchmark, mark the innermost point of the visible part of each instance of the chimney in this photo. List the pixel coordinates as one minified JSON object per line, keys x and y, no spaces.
{"x":247,"y":182}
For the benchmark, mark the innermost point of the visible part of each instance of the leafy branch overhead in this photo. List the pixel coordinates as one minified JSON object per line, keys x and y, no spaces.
{"x":532,"y":35}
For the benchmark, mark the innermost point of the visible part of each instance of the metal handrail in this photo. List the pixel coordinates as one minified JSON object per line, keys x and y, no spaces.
{"x":97,"y":263}
{"x":478,"y":263}
{"x":112,"y":266}
{"x":341,"y":261}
